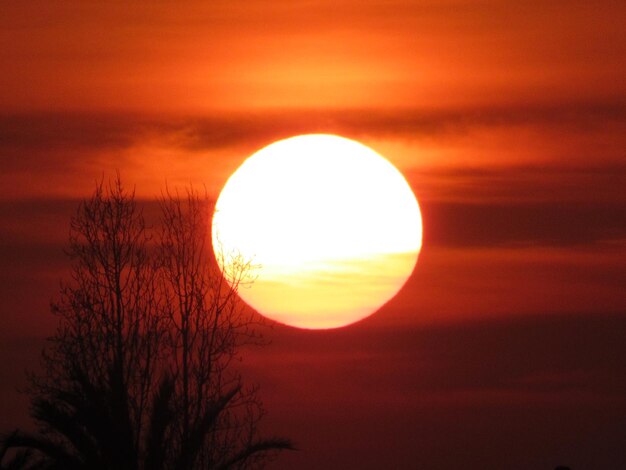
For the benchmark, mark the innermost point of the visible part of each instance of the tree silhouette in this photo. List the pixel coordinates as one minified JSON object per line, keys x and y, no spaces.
{"x":138,"y":374}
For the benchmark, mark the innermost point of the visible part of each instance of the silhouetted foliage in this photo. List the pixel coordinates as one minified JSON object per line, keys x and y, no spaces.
{"x":138,"y":374}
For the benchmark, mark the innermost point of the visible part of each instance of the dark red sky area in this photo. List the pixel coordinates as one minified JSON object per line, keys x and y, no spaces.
{"x":507,"y":346}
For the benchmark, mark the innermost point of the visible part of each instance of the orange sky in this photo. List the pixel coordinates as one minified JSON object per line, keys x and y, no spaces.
{"x":233,"y":55}
{"x":436,"y":87}
{"x":508,"y":119}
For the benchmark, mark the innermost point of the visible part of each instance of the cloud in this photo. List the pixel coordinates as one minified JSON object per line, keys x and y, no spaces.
{"x":527,"y":353}
{"x":255,"y":128}
{"x":550,"y":183}
{"x":523,"y":224}
{"x":466,"y":153}
{"x":35,"y":132}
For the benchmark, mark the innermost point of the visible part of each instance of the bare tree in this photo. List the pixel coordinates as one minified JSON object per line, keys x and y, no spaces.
{"x":137,"y":375}
{"x":206,"y":326}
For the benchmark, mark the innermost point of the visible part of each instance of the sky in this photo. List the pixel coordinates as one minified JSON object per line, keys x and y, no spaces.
{"x":505,"y":348}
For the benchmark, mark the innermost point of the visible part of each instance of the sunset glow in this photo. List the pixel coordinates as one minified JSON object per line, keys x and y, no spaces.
{"x":441,"y":289}
{"x":332,"y":227}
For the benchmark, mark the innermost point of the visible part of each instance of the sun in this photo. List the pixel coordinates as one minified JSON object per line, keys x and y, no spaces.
{"x":332,"y":228}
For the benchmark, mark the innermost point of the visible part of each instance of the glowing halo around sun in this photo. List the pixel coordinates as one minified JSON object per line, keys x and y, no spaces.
{"x":333,"y":228}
